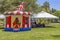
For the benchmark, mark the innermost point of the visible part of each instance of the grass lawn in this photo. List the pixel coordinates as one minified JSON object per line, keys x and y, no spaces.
{"x":48,"y":33}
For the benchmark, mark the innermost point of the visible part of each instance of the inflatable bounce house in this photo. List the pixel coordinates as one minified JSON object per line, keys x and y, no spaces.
{"x":18,"y":20}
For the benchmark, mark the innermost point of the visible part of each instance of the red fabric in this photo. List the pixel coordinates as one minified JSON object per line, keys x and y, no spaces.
{"x":24,"y":21}
{"x":8,"y":21}
{"x":18,"y":12}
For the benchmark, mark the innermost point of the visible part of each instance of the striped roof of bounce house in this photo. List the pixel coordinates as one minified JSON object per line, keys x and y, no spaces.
{"x":17,"y":12}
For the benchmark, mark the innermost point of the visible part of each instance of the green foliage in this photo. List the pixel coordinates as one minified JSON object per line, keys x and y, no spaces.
{"x":46,"y":6}
{"x":53,"y":10}
{"x":8,"y":5}
{"x":57,"y":13}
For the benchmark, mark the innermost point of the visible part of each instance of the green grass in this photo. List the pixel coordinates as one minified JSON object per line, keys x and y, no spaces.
{"x":51,"y":32}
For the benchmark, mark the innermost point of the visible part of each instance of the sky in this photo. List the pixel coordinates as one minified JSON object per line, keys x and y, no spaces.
{"x":53,"y":3}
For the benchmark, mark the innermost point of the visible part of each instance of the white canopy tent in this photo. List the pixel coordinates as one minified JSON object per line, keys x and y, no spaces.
{"x":2,"y":16}
{"x":44,"y":15}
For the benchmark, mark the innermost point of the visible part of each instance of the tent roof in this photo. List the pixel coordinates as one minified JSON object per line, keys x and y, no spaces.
{"x":17,"y":12}
{"x":2,"y":16}
{"x":43,"y":14}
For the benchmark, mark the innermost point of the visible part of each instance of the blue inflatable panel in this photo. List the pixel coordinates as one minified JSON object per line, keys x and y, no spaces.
{"x":8,"y":29}
{"x":16,"y":30}
{"x":25,"y":29}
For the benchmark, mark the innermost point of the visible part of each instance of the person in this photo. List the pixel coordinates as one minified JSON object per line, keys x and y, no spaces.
{"x":34,"y":24}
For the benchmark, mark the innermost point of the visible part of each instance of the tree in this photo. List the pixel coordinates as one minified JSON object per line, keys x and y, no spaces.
{"x":57,"y":13}
{"x":8,"y":5}
{"x":46,"y":6}
{"x":53,"y":11}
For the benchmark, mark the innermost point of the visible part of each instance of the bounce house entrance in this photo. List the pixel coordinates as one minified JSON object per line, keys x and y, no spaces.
{"x":16,"y":23}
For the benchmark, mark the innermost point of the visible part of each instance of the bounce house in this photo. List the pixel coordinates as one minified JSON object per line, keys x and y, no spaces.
{"x":18,"y":20}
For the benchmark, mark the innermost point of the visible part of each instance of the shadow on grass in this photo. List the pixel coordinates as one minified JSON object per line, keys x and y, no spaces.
{"x":50,"y":27}
{"x":56,"y":36}
{"x":45,"y":27}
{"x":1,"y":28}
